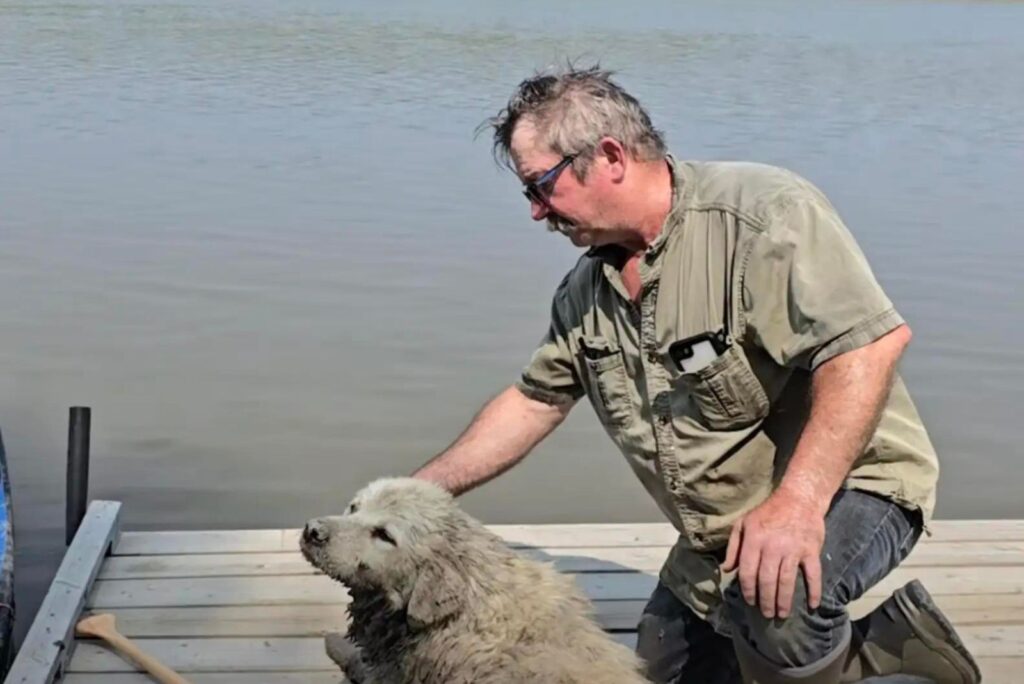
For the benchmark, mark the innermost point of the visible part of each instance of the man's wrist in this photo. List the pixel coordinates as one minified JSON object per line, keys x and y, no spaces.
{"x":806,"y":494}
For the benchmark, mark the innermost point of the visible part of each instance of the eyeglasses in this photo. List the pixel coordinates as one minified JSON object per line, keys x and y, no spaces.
{"x":540,"y":189}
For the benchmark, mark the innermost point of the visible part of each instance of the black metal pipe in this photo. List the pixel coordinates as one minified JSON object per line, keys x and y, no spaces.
{"x":78,"y":470}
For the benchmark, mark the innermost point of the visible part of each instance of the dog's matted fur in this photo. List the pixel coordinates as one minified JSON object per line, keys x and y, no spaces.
{"x":439,"y":599}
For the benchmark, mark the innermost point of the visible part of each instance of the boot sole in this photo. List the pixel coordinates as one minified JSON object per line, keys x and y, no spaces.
{"x":914,"y":599}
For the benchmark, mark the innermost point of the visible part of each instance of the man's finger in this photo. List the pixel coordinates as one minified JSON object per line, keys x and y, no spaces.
{"x":787,"y":585}
{"x":750,"y":561}
{"x":812,"y":575}
{"x":732,"y":551}
{"x":768,"y":584}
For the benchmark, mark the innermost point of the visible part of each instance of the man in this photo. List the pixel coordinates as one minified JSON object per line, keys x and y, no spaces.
{"x":738,"y":350}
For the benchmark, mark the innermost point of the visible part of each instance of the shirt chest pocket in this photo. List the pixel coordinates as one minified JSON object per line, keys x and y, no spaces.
{"x":726,"y":393}
{"x":607,"y":382}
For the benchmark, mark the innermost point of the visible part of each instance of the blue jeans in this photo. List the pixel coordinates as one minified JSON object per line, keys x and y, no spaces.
{"x":865,"y":538}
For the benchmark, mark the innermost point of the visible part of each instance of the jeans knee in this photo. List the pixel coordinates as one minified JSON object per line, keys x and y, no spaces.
{"x":801,"y":639}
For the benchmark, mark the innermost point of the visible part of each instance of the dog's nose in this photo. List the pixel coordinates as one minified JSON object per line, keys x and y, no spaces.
{"x":316,"y":533}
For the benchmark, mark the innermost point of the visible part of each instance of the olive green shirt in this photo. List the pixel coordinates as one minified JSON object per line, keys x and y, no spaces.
{"x":757,"y":253}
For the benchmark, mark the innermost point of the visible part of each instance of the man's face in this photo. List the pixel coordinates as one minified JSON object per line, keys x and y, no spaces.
{"x":569,"y":206}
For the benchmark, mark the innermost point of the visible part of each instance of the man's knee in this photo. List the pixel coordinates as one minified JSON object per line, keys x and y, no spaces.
{"x":803,"y":638}
{"x":679,"y":646}
{"x":661,"y":636}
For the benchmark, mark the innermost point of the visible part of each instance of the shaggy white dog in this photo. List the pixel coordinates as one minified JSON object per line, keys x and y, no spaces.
{"x":438,"y":599}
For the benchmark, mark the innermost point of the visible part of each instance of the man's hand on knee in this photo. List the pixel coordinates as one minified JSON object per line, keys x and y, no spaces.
{"x":769,"y":545}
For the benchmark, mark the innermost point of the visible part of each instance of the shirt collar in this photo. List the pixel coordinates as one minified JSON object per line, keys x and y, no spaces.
{"x":682,"y":193}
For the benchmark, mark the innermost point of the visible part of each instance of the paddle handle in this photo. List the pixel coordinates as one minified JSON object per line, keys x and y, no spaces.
{"x":104,"y":627}
{"x":160,"y":672}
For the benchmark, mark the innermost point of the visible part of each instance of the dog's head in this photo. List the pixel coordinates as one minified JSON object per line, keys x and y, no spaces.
{"x":399,"y":536}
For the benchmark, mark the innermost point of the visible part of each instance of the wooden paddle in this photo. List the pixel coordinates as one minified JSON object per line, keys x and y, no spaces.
{"x":102,"y":626}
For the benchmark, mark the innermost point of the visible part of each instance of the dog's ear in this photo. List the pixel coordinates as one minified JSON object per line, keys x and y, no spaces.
{"x":436,"y":596}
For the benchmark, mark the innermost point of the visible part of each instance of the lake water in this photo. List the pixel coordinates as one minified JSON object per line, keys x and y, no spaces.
{"x":260,"y":240}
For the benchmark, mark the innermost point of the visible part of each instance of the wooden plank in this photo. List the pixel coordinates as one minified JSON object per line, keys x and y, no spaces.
{"x":212,"y":655}
{"x":288,"y":655}
{"x":929,"y":553}
{"x":207,"y":541}
{"x":582,"y":559}
{"x":226,"y":655}
{"x":977,"y":530}
{"x":44,"y":649}
{"x":996,"y":671}
{"x":567,"y":536}
{"x":232,"y":621}
{"x":1001,"y":670}
{"x":964,"y":609}
{"x":290,"y":620}
{"x":215,"y":591}
{"x":318,"y":589}
{"x":314,"y":620}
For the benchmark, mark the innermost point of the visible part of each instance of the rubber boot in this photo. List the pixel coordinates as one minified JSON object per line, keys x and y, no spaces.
{"x":908,"y":634}
{"x":757,"y":669}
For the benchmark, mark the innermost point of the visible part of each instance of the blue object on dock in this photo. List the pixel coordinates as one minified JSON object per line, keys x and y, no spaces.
{"x":6,"y":567}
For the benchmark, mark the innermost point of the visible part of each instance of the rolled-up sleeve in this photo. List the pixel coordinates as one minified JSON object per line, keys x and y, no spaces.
{"x":809,"y":293}
{"x":551,"y":375}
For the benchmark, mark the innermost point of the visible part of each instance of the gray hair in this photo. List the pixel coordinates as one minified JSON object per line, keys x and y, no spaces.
{"x":572,"y":110}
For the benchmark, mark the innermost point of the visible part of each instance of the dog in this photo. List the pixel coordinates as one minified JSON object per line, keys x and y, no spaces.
{"x":439,"y":599}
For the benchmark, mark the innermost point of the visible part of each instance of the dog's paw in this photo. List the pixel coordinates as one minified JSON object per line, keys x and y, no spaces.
{"x":346,"y":655}
{"x":340,"y":649}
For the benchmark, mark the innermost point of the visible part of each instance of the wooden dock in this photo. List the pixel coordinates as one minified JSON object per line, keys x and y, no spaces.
{"x":226,"y":607}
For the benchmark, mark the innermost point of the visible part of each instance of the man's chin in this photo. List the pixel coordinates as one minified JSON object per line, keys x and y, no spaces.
{"x":580,"y":238}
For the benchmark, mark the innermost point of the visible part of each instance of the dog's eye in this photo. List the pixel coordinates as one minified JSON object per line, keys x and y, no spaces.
{"x":352,"y":508}
{"x":383,"y":535}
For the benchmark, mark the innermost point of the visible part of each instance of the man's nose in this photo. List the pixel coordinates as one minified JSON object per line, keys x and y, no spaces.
{"x":538,"y":210}
{"x":315,"y":533}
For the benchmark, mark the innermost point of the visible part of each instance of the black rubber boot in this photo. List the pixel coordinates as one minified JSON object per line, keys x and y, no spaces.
{"x":908,"y":634}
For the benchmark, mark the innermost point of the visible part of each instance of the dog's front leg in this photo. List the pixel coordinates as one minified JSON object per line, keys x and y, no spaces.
{"x":347,"y":656}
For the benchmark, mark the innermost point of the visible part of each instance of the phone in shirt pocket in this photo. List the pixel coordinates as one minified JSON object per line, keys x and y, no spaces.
{"x":717,"y":378}
{"x":698,"y":351}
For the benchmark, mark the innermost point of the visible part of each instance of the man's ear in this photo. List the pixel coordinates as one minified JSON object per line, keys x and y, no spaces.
{"x":436,"y":596}
{"x":614,"y":156}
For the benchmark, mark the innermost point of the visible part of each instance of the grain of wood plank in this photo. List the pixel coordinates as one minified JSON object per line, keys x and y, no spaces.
{"x":289,"y":620}
{"x":211,"y":655}
{"x":315,"y":589}
{"x":280,"y":654}
{"x":996,"y":671}
{"x":581,"y":559}
{"x":314,"y":620}
{"x":977,"y":530}
{"x":638,"y":534}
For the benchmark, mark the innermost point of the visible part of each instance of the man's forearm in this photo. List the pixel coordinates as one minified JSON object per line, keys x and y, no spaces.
{"x":848,"y":394}
{"x":500,"y":436}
